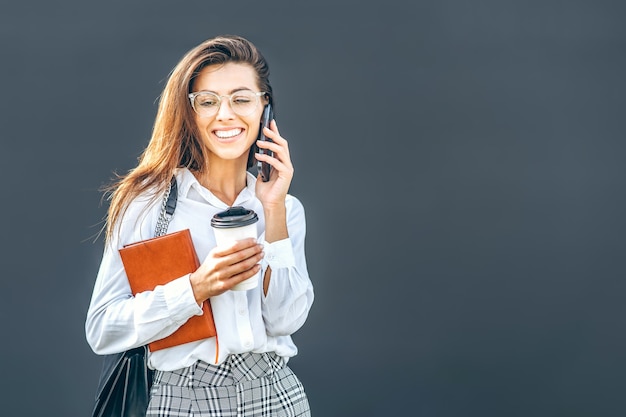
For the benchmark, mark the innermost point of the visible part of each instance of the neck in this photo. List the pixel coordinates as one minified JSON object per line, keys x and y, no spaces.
{"x":224,"y":178}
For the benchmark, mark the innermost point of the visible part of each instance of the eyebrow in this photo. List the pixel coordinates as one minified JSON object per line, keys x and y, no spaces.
{"x":234,"y":90}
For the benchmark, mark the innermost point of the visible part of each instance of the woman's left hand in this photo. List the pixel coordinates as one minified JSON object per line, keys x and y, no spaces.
{"x":273,"y":192}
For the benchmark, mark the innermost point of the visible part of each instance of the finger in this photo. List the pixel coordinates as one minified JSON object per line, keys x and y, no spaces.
{"x":236,"y":246}
{"x":236,"y":279}
{"x":245,"y":254}
{"x":274,"y":126}
{"x":276,"y":147}
{"x":274,"y":136}
{"x":278,"y":156}
{"x":241,"y":267}
{"x":276,"y":163}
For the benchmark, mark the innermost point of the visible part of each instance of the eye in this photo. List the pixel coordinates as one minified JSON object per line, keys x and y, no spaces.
{"x":240,"y":99}
{"x":206,"y":100}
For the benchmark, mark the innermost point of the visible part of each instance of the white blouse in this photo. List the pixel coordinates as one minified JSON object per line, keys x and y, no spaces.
{"x":246,"y":321}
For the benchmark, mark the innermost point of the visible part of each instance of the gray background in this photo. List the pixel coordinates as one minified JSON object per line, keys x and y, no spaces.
{"x":461,"y":164}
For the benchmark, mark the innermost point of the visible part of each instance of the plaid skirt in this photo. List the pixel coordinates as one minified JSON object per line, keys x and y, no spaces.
{"x":245,"y":385}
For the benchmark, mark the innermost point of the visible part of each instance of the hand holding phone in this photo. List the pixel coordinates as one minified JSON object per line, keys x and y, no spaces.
{"x":263,"y":167}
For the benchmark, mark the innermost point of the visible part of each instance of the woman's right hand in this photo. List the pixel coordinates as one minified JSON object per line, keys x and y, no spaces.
{"x":225,"y":267}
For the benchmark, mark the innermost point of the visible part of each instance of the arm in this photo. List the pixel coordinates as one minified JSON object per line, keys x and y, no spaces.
{"x":275,"y":230}
{"x":287,"y":289}
{"x":117,"y":321}
{"x":289,"y":295}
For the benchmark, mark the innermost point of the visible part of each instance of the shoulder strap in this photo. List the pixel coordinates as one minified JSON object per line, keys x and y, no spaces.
{"x":167,"y":208}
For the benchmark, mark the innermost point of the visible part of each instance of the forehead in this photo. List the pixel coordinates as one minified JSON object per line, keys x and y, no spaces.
{"x":225,"y":78}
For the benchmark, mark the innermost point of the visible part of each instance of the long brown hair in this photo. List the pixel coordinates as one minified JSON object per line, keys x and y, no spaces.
{"x":174,"y":142}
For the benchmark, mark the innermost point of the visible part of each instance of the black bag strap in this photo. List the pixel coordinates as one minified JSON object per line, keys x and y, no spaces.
{"x":172,"y":198}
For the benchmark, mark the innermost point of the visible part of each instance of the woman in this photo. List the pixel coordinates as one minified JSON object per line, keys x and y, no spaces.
{"x":205,"y":134}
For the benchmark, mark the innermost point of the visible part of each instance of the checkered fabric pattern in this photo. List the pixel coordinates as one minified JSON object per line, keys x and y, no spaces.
{"x":245,"y":385}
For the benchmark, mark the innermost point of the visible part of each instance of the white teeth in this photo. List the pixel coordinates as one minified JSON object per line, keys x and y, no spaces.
{"x":224,"y":134}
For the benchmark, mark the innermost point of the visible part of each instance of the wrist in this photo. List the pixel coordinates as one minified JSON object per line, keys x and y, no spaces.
{"x":196,"y":287}
{"x":274,"y":208}
{"x":275,"y":223}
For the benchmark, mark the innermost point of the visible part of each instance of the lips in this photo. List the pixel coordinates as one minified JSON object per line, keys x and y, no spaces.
{"x":227,"y":134}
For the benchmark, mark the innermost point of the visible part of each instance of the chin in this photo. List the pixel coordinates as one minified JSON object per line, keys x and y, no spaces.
{"x":232,"y":154}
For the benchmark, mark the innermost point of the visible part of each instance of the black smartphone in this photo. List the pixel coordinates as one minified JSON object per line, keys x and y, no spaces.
{"x":263,"y":167}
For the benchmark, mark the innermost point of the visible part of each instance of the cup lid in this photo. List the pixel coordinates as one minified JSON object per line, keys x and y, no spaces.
{"x":236,"y":216}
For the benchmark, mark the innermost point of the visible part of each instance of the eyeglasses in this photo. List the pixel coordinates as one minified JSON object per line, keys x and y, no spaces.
{"x":243,"y":102}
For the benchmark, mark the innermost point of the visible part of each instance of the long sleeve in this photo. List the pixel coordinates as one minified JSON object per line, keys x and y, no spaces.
{"x":117,"y":321}
{"x":246,"y":321}
{"x":290,"y":293}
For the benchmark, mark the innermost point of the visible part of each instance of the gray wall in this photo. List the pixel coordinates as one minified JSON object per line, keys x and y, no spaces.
{"x":461,"y":164}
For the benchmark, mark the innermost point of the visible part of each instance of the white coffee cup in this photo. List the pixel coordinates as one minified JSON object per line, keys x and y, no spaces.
{"x":234,"y":224}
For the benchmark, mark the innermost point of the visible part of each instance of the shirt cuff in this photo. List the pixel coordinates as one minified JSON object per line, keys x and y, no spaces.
{"x":180,"y":300}
{"x":279,"y":254}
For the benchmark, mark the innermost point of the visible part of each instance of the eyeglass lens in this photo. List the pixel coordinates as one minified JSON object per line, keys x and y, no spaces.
{"x":242,"y":102}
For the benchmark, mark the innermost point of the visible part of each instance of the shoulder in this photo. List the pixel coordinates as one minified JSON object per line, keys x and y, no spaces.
{"x":138,"y":219}
{"x":146,"y":201}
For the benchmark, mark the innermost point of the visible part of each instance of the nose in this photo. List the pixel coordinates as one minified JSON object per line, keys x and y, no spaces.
{"x":225,"y":111}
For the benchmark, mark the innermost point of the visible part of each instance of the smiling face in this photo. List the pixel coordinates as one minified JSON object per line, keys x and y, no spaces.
{"x":227,"y":135}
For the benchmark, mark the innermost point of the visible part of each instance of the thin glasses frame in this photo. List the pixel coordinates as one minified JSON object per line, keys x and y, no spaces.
{"x":192,"y":100}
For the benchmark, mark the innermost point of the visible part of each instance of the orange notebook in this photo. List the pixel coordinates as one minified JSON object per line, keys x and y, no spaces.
{"x":158,"y":261}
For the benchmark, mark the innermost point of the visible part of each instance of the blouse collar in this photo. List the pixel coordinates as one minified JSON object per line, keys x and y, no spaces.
{"x":190,"y":187}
